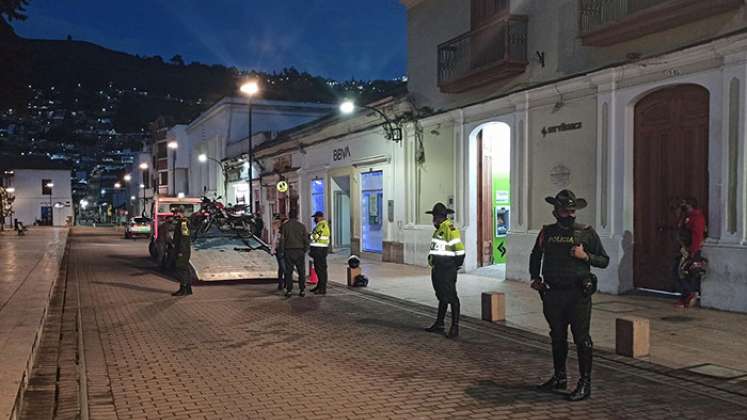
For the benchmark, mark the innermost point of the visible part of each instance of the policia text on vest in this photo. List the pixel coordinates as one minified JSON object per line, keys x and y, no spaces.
{"x":565,"y":252}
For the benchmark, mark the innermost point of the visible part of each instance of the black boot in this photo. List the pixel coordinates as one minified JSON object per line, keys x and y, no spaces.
{"x":559,"y":380}
{"x":188,"y":290}
{"x":438,"y":326}
{"x":454,"y":330}
{"x":180,"y":292}
{"x":583,"y":389}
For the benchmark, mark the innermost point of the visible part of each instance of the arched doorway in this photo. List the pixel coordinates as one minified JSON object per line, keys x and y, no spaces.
{"x":493,"y":188}
{"x":670,"y":163}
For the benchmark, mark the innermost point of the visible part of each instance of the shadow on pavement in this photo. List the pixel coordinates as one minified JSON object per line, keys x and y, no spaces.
{"x":133,"y":287}
{"x":506,"y":394}
{"x":387,"y":324}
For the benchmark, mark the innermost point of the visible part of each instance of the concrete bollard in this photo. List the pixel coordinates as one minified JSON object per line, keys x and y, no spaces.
{"x":493,"y":306}
{"x":352,"y":274}
{"x":632,"y":337}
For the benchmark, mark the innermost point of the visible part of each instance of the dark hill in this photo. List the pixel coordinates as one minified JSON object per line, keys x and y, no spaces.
{"x":79,"y":70}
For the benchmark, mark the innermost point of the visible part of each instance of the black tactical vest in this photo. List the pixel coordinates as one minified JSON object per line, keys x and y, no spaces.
{"x":559,"y":268}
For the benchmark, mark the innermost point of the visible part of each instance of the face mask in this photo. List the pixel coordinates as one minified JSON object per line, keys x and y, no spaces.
{"x":564,"y":221}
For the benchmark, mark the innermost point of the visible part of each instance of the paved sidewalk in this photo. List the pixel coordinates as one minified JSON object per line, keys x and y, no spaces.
{"x":709,"y":341}
{"x":29,"y":269}
{"x":241,"y":350}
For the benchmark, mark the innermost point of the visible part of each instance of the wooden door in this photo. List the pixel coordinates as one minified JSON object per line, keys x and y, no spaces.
{"x":484,"y":204}
{"x":670,"y":163}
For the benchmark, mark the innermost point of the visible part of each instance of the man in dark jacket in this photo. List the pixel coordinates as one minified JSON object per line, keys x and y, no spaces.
{"x":565,"y":251}
{"x":294,"y":242}
{"x":183,"y":251}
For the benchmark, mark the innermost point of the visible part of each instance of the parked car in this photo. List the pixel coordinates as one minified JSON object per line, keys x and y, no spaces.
{"x":138,"y":226}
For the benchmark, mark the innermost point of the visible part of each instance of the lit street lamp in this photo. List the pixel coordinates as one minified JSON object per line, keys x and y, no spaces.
{"x":173,"y":145}
{"x":143,"y":167}
{"x":127,"y":178}
{"x":50,"y":185}
{"x":250,"y":88}
{"x":202,"y":157}
{"x":392,"y":131}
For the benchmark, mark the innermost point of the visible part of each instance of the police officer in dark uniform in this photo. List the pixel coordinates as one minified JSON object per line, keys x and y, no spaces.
{"x":183,"y":250}
{"x":445,"y":257}
{"x":565,"y":252}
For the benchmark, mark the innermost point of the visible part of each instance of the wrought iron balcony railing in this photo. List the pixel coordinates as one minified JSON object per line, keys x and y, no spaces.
{"x":491,"y":53}
{"x":608,"y":22}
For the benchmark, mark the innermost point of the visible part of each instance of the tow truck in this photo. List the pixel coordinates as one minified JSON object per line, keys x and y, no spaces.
{"x":217,"y":254}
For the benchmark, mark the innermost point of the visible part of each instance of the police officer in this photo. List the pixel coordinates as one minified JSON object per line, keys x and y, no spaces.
{"x":319,"y":249}
{"x":445,"y":257}
{"x":294,"y":243}
{"x":183,"y":250}
{"x":565,"y":251}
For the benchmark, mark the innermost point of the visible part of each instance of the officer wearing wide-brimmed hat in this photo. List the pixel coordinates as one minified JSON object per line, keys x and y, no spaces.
{"x":445,"y":257}
{"x":565,"y":251}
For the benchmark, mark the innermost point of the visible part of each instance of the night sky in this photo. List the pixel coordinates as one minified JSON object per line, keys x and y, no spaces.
{"x":340,"y":39}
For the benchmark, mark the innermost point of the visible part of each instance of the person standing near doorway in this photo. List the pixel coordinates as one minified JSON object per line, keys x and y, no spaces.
{"x":277,"y":223}
{"x":294,"y":243}
{"x":692,"y":231}
{"x":319,"y":249}
{"x":445,"y":257}
{"x":565,"y":251}
{"x":183,"y":251}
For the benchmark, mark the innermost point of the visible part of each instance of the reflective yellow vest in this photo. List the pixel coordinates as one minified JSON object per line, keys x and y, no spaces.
{"x":446,"y":243}
{"x":320,"y":235}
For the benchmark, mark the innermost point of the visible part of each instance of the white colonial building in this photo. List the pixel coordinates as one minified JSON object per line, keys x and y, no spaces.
{"x":632,"y":105}
{"x":42,"y":192}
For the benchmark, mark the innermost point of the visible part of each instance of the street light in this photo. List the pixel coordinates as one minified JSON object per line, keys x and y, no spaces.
{"x":173,"y":145}
{"x":50,"y":185}
{"x":117,"y":185}
{"x":202,"y":157}
{"x":143,"y":167}
{"x":250,"y":88}
{"x":392,"y":131}
{"x":127,"y":178}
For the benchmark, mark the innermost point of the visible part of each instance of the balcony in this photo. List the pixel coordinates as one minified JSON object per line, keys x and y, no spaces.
{"x":491,"y":53}
{"x":608,"y":22}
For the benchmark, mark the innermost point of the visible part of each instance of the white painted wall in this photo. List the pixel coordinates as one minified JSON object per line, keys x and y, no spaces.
{"x":29,"y":199}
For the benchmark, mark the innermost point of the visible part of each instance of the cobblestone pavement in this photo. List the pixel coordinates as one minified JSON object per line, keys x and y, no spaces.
{"x":243,"y":351}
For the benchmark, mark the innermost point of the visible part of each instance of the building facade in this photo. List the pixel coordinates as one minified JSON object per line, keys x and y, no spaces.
{"x":634,"y":105}
{"x":222,"y":132}
{"x":42,"y":192}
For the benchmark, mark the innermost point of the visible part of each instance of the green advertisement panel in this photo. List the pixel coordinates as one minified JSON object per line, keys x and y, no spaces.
{"x":501,"y":207}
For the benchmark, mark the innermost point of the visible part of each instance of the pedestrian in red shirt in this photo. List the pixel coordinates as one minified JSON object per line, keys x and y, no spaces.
{"x":692,"y":231}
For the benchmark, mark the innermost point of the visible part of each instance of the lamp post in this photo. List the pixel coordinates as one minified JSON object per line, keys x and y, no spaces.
{"x":204,"y":158}
{"x":127,"y":178}
{"x":143,"y":167}
{"x":50,"y":185}
{"x":392,"y":131}
{"x":173,"y":145}
{"x":250,"y":88}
